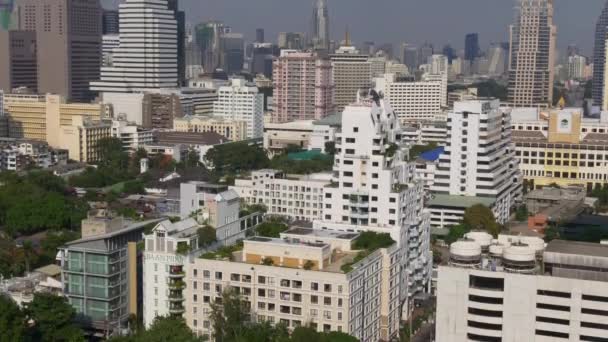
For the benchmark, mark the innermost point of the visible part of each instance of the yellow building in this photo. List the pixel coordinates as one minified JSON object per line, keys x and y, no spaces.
{"x":234,"y":130}
{"x":40,"y":117}
{"x":81,"y":138}
{"x":567,"y":152}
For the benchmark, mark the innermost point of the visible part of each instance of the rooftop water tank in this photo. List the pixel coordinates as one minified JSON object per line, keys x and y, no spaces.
{"x":519,"y":258}
{"x":465,"y":253}
{"x":482,"y":238}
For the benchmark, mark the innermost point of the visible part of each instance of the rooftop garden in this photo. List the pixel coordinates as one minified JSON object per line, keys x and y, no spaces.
{"x":272,"y":227}
{"x":225,"y":252}
{"x":367,"y":243}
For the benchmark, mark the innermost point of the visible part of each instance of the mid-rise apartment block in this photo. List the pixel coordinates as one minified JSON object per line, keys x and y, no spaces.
{"x":351,"y":73}
{"x":303,"y":87}
{"x":311,"y":280}
{"x":242,"y":102}
{"x":298,"y":197}
{"x":81,"y":138}
{"x":513,"y":290}
{"x":99,"y":272}
{"x":234,"y":130}
{"x":412,"y":100}
{"x":68,"y":44}
{"x":132,"y":136}
{"x":478,"y":165}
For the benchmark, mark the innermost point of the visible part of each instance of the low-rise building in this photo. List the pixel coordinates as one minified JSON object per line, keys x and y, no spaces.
{"x":279,"y":136}
{"x":234,"y":130}
{"x":512,"y":291}
{"x":18,"y":155}
{"x":426,"y":132}
{"x":298,"y":197}
{"x":305,"y":277}
{"x":81,"y":138}
{"x":132,"y":136}
{"x":45,"y":279}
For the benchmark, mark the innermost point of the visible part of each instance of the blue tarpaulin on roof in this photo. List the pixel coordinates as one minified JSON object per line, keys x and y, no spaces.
{"x":432,"y":155}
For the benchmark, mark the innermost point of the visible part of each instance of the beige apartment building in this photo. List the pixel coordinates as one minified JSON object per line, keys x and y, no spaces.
{"x":235,"y":130}
{"x":82,"y":136}
{"x":311,"y":279}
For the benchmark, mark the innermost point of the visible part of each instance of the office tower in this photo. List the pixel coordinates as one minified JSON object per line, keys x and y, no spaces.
{"x":424,"y":53}
{"x":69,"y":35}
{"x":303,"y":87}
{"x":471,"y":47}
{"x":180,"y":18}
{"x":378,"y":64}
{"x":599,"y":57}
{"x":351,"y":73}
{"x":259,"y":35}
{"x":242,"y":102}
{"x":100,"y":272}
{"x":209,"y":39}
{"x":439,"y":70}
{"x":478,"y":165}
{"x":109,"y":42}
{"x":412,"y":101}
{"x":497,"y":59}
{"x":531,"y":68}
{"x":110,"y":23}
{"x":18,"y":63}
{"x":263,"y":56}
{"x":449,"y":52}
{"x":291,"y":40}
{"x":409,"y":55}
{"x":234,"y":52}
{"x":516,"y":289}
{"x":576,"y":67}
{"x":320,"y":26}
{"x":139,"y":64}
{"x":375,"y":189}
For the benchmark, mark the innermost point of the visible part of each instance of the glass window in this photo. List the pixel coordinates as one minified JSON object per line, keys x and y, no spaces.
{"x":97,"y":264}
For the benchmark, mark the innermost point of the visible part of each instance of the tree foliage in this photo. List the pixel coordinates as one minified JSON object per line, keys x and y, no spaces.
{"x":456,"y":232}
{"x":206,"y":236}
{"x":163,"y":329}
{"x":13,"y":325}
{"x":237,"y":157}
{"x":522,"y":213}
{"x":273,"y":227}
{"x":480,"y":217}
{"x":302,"y":167}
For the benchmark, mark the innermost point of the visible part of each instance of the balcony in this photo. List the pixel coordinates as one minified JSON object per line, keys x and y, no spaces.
{"x":176,"y":309}
{"x":177,"y":285}
{"x":177,"y":275}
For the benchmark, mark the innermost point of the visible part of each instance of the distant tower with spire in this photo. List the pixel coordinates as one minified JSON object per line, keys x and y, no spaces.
{"x":320,"y":26}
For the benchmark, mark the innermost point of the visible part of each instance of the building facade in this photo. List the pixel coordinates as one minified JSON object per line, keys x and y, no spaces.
{"x":508,"y":295}
{"x":478,"y":165}
{"x":303,"y":88}
{"x":412,"y":101}
{"x":18,"y":60}
{"x":320,"y":26}
{"x":299,"y":198}
{"x":69,"y":34}
{"x":81,"y":138}
{"x":351,"y":73}
{"x":132,"y":136}
{"x":242,"y":102}
{"x":532,"y":55}
{"x":147,"y":56}
{"x":599,"y":57}
{"x":232,"y":129}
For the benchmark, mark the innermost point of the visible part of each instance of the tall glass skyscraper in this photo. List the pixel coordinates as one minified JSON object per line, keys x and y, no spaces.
{"x":471,"y":46}
{"x":320,"y":26}
{"x":599,"y":57}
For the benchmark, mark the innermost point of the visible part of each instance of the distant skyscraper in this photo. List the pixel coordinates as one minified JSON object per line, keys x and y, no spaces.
{"x":109,"y":22}
{"x":471,"y":47}
{"x":180,"y":17}
{"x":425,"y":52}
{"x":138,"y":63}
{"x":576,"y":67}
{"x":320,"y":26}
{"x":449,"y":52}
{"x":261,"y":60}
{"x":531,"y":68}
{"x":68,"y":37}
{"x":599,"y":56}
{"x":259,"y":35}
{"x":209,"y":38}
{"x":497,"y":59}
{"x":234,"y":52}
{"x":409,"y":55}
{"x":18,"y":63}
{"x":352,"y":73}
{"x":291,"y":40}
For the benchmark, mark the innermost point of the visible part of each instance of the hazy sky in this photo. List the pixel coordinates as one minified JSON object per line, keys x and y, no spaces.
{"x":395,"y":21}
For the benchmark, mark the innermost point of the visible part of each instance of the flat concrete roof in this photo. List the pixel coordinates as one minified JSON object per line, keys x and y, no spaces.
{"x":577,"y":248}
{"x":455,"y":201}
{"x":321,"y":233}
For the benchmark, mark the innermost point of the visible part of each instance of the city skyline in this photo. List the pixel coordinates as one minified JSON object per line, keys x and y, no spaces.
{"x":575,"y":20}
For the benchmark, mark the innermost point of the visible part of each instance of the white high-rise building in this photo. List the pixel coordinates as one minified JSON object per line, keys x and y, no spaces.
{"x":576,"y":67}
{"x":320,"y":26}
{"x":352,"y":72}
{"x":511,"y":291}
{"x":374,"y":187}
{"x":411,"y":100}
{"x":108,"y":43}
{"x":146,"y":58}
{"x":497,"y":60}
{"x":243,"y":102}
{"x":478,"y":165}
{"x":439,"y":71}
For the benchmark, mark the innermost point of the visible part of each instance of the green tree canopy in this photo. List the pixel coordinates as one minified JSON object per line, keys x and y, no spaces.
{"x":480,"y":217}
{"x":13,"y":327}
{"x":237,"y":157}
{"x":53,"y":319}
{"x":206,"y":236}
{"x":272,"y":227}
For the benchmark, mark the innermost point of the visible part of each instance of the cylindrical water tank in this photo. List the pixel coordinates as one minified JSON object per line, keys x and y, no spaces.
{"x":519,"y":258}
{"x":496,"y":250}
{"x":537,"y":244}
{"x":465,"y":253}
{"x":482,"y":238}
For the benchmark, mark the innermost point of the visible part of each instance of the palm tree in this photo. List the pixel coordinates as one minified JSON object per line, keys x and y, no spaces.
{"x":28,"y":252}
